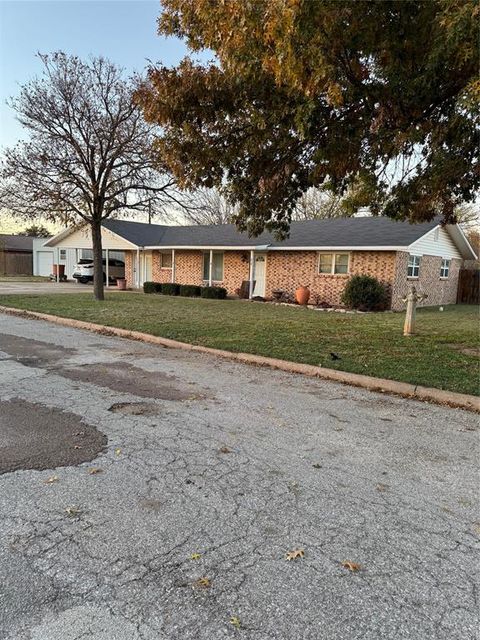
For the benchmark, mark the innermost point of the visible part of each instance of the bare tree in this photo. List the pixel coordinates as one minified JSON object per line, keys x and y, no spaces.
{"x":207,"y":206}
{"x":89,"y":151}
{"x":317,"y":203}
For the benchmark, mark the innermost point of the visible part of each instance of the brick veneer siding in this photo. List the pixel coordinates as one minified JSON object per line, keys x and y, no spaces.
{"x":159,"y":273}
{"x":189,"y":269}
{"x":129,"y":258}
{"x":287,"y":270}
{"x":440,"y":291}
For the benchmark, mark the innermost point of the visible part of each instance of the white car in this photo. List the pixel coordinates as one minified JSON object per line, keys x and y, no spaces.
{"x":83,"y":271}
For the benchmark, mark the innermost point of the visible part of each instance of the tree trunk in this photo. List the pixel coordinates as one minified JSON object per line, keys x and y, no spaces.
{"x":97,"y":260}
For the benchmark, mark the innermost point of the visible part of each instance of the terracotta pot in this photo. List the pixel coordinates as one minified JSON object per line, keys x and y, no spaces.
{"x":302,"y":295}
{"x":121,"y":284}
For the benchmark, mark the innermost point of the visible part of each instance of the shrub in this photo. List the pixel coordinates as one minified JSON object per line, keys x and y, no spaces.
{"x":190,"y":290}
{"x":214,"y":292}
{"x":365,"y":293}
{"x":170,"y":289}
{"x":152,"y":287}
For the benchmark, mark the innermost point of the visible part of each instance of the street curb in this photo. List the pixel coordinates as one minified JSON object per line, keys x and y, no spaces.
{"x":404,"y":389}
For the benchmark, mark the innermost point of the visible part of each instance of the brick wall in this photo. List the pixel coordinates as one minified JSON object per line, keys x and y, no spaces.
{"x":129,"y":260}
{"x":439,"y":291}
{"x":189,"y":269}
{"x":159,"y":273}
{"x":288,"y":270}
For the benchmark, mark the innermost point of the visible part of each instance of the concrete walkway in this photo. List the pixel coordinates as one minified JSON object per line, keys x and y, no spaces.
{"x":179,"y":482}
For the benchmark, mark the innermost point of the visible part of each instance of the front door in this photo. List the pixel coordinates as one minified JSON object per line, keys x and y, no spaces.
{"x":259,"y":274}
{"x":147,"y":276}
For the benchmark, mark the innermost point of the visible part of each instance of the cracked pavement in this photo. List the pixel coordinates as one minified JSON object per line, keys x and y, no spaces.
{"x":239,"y":465}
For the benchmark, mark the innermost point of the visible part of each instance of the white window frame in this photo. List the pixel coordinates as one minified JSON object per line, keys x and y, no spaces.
{"x":445,"y":268}
{"x":63,"y":254}
{"x":334,"y":254}
{"x":214,"y":253}
{"x":165,"y":253}
{"x":413,"y":264}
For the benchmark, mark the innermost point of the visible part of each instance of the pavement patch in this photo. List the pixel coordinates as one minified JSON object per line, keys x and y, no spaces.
{"x":33,"y":353}
{"x":33,"y":436}
{"x":124,"y":377}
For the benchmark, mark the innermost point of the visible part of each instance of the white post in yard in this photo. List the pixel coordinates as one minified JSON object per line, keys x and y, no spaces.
{"x":58,"y":265}
{"x":107,"y":271}
{"x":210,"y":268}
{"x":173,"y":265}
{"x":252,"y":266}
{"x":412,"y":298}
{"x":137,"y":279}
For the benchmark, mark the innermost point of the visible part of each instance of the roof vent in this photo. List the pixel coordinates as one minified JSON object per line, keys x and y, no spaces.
{"x":362,"y":212}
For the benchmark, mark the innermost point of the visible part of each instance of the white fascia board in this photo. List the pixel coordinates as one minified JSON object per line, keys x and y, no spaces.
{"x":456,"y":232}
{"x":53,"y":242}
{"x":56,"y":240}
{"x":269,"y":248}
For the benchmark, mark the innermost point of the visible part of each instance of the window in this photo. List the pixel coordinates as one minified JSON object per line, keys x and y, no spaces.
{"x":333,"y":263}
{"x":166,"y":260}
{"x":63,"y":254}
{"x":445,"y":268}
{"x":413,"y":269}
{"x":217,"y":266}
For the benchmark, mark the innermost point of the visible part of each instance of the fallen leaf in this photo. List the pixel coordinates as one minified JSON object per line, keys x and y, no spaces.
{"x":195,"y":556}
{"x":77,"y":446}
{"x":202,"y":583}
{"x":295,"y":553}
{"x":225,"y":450}
{"x":351,"y":566}
{"x":235,"y":621}
{"x":95,"y":470}
{"x":317,"y":466}
{"x":118,"y":452}
{"x":73,"y":511}
{"x":79,"y":433}
{"x":381,"y":487}
{"x":51,"y":480}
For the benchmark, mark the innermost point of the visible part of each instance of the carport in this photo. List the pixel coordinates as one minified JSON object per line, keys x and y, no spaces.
{"x":79,"y":238}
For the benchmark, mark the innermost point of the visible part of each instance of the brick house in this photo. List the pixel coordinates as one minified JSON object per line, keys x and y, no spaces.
{"x":320,"y":254}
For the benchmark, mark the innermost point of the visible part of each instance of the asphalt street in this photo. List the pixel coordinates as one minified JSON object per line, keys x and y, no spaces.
{"x":154,"y":494}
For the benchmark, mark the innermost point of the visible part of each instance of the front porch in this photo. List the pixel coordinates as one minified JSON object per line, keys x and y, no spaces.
{"x":206,"y":267}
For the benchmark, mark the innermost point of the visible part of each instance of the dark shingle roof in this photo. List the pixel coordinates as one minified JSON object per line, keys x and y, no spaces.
{"x":334,"y":232}
{"x":15,"y":243}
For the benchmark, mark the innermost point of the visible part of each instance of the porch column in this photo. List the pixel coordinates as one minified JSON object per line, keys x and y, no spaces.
{"x":107,"y":272}
{"x":210,"y":268}
{"x":173,"y":265}
{"x":252,"y":266}
{"x":137,"y":279}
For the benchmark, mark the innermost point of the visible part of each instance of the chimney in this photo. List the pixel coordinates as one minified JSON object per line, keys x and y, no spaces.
{"x":363,"y":212}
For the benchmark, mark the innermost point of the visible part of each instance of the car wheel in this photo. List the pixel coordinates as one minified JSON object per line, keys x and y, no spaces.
{"x":83,"y":280}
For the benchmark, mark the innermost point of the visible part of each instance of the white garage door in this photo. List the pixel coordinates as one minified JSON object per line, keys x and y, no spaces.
{"x":44,"y":263}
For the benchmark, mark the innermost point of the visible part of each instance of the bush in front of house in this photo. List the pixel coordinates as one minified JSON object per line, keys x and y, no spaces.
{"x":219,"y":293}
{"x":365,"y":293}
{"x":152,"y":287}
{"x":190,"y":290}
{"x":170,"y":289}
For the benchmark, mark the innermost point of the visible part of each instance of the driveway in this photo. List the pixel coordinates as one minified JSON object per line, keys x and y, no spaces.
{"x":45,"y":288}
{"x":153,"y":494}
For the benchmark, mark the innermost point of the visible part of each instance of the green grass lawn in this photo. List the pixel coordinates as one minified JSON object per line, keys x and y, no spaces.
{"x":444,"y":354}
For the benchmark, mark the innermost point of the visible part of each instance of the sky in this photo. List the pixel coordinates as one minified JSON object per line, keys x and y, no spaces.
{"x":123,"y":31}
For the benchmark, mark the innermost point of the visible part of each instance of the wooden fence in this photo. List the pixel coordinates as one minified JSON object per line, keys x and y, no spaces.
{"x":468,"y":286}
{"x":15,"y":264}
